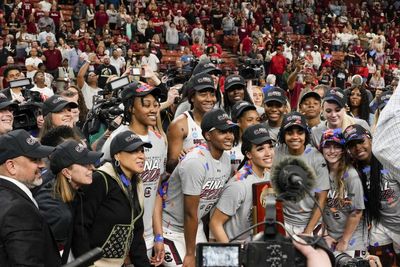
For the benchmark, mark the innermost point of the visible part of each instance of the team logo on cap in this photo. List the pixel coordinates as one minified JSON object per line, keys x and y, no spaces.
{"x":274,"y":93}
{"x":209,"y":65}
{"x":241,"y":105}
{"x":223,"y":117}
{"x":234,"y":79}
{"x":143,"y":88}
{"x":204,"y":80}
{"x":260,"y":131}
{"x":131,"y":138}
{"x":337,"y":93}
{"x":57,"y":100}
{"x":294,"y":118}
{"x":79,"y":148}
{"x":31,"y":140}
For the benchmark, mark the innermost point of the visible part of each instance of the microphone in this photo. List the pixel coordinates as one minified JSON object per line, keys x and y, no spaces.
{"x":291,"y":178}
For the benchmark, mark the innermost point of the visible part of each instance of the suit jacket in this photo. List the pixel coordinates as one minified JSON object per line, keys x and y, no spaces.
{"x":25,"y":238}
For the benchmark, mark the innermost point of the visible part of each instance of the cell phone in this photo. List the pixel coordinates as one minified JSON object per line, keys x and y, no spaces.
{"x":135,"y":71}
{"x":218,"y":254}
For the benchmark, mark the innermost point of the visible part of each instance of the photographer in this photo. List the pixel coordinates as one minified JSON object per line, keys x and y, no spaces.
{"x":13,"y":73}
{"x":90,"y":87}
{"x":6,"y":114}
{"x":234,"y":208}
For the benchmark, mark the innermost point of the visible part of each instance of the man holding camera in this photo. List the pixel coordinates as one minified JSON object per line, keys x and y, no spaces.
{"x":25,"y":238}
{"x":13,"y":73}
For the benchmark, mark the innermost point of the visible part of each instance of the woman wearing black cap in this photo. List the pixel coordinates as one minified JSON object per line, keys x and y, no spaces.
{"x":73,"y":164}
{"x":56,"y":111}
{"x":141,"y":109}
{"x":294,"y":135}
{"x":382,"y":195}
{"x":234,"y":208}
{"x":113,"y":206}
{"x":234,"y":91}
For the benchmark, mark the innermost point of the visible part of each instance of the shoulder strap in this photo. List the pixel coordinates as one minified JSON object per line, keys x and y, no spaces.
{"x":105,"y":180}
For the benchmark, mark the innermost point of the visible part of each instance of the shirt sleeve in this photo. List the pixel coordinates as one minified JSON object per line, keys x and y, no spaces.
{"x":192,"y":174}
{"x":321,"y":171}
{"x":355,"y":189}
{"x":385,"y":144}
{"x":231,"y":198}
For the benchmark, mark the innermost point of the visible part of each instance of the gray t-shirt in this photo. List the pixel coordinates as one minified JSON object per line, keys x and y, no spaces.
{"x":154,"y":167}
{"x":336,"y":214}
{"x":299,"y":213}
{"x":273,"y":131}
{"x":236,"y":201}
{"x":390,"y":200}
{"x":317,"y":131}
{"x":198,"y":174}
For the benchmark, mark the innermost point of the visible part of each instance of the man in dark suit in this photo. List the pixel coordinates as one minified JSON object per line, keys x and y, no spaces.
{"x":25,"y":238}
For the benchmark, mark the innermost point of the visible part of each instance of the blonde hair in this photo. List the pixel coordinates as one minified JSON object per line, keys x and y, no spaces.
{"x":63,"y":189}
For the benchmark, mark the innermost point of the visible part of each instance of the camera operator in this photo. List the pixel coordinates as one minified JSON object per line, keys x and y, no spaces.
{"x":6,"y":114}
{"x":26,"y":239}
{"x":13,"y":73}
{"x":234,"y":208}
{"x":192,"y":194}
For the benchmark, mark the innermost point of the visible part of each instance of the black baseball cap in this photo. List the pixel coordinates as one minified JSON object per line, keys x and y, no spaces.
{"x":55,"y":104}
{"x":239,"y":108}
{"x":234,"y":81}
{"x":255,"y":134}
{"x":384,"y":98}
{"x":206,"y":67}
{"x":126,"y":141}
{"x":275,"y":94}
{"x":202,"y":81}
{"x":336,"y":95}
{"x":139,"y":89}
{"x":310,"y":94}
{"x":294,"y":118}
{"x":72,"y":152}
{"x":216,"y":119}
{"x":5,"y":102}
{"x":355,"y":132}
{"x":20,"y":143}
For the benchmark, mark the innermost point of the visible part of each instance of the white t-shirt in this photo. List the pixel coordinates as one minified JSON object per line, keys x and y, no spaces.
{"x":88,"y":92}
{"x":152,"y":61}
{"x":45,"y":92}
{"x":30,"y":61}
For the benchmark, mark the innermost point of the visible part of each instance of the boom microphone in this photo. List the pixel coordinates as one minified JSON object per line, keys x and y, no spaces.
{"x":291,"y":178}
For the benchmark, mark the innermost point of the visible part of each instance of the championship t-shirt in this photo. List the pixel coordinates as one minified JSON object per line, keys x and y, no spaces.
{"x":198,"y":174}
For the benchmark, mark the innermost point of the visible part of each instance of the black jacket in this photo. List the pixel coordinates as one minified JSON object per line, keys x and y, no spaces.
{"x":106,"y":206}
{"x":58,"y":215}
{"x":25,"y":238}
